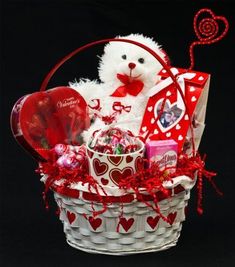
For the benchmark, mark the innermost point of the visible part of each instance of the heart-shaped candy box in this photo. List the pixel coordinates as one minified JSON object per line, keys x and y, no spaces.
{"x":41,"y":120}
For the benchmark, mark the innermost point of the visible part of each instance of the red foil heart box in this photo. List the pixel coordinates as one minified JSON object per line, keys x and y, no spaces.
{"x":41,"y":120}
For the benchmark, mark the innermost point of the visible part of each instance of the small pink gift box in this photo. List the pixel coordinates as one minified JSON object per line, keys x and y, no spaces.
{"x":164,"y":152}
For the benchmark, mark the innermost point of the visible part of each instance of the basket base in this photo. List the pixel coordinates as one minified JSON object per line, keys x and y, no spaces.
{"x":140,"y":231}
{"x":123,"y":253}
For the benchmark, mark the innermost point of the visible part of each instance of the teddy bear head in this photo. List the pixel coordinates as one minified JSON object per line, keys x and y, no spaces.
{"x":132,"y":61}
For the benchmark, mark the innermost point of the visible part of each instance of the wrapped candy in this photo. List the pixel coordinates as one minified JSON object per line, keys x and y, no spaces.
{"x":114,"y":141}
{"x":70,"y":161}
{"x":70,"y":157}
{"x":60,"y":149}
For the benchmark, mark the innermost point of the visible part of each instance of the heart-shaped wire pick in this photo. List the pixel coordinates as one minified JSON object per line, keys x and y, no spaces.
{"x":207,"y":30}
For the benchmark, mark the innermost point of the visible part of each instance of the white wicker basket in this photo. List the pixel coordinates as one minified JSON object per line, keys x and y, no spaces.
{"x":140,"y":228}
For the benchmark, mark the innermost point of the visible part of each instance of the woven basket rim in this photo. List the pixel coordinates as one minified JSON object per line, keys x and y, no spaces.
{"x":180,"y":184}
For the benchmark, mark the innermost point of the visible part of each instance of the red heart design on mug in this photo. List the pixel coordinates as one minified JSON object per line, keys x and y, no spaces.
{"x":41,"y":120}
{"x":71,"y":217}
{"x":115,"y":160}
{"x":117,"y":175}
{"x":100,"y":168}
{"x":95,"y":223}
{"x":126,"y":223}
{"x":171,"y":217}
{"x":139,"y":163}
{"x":104,"y":181}
{"x":153,"y":221}
{"x":129,"y":159}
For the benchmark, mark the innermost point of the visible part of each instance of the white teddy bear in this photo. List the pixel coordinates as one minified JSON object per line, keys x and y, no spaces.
{"x":126,"y":72}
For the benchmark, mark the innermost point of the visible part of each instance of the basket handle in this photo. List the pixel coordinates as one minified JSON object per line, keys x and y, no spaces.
{"x":80,"y":49}
{"x":153,"y":53}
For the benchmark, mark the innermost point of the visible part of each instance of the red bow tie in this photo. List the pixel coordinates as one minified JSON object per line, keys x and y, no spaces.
{"x":130,"y":87}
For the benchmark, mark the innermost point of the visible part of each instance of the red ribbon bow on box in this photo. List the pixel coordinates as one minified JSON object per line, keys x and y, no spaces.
{"x":131,"y":87}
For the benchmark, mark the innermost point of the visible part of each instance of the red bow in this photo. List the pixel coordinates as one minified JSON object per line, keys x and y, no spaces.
{"x":133,"y":87}
{"x":117,"y":106}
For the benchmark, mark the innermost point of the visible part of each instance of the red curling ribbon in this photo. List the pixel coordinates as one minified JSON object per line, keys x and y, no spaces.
{"x":108,"y":119}
{"x":96,"y":104}
{"x":117,"y":106}
{"x":207,"y":30}
{"x":131,"y":87}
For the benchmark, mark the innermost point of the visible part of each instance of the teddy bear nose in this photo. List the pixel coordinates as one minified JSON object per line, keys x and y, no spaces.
{"x":131,"y":65}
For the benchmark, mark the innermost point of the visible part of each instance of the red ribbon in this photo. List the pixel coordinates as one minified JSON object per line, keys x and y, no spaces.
{"x":117,"y":106}
{"x":96,"y":104}
{"x":131,"y":87}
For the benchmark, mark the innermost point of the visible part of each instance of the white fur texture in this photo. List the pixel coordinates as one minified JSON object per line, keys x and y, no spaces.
{"x":111,"y":63}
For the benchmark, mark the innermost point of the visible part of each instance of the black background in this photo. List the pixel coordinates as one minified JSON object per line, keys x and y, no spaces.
{"x":34,"y":36}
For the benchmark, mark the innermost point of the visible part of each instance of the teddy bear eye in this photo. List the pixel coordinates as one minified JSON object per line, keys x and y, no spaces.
{"x":123,"y":56}
{"x":141,"y":60}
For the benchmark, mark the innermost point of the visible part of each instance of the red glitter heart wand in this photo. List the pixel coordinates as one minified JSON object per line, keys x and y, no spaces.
{"x":207,"y":30}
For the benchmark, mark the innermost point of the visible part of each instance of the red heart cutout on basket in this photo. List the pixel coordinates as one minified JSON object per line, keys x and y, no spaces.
{"x":95,"y":223}
{"x":116,"y":174}
{"x":153,"y":221}
{"x":126,"y":224}
{"x":71,"y":217}
{"x":171,"y":217}
{"x":129,"y":159}
{"x":104,"y":181}
{"x":41,"y":120}
{"x":207,"y":29}
{"x":100,"y":168}
{"x":115,"y":160}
